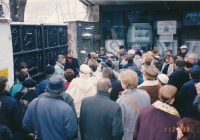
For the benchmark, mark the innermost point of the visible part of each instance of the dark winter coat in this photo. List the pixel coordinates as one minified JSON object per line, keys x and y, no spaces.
{"x":10,"y":113}
{"x":100,"y":118}
{"x":178,"y":78}
{"x":131,"y":66}
{"x":196,"y":66}
{"x":59,"y":124}
{"x":185,"y":97}
{"x":116,"y":88}
{"x":5,"y":133}
{"x":154,"y":124}
{"x":74,"y":66}
{"x":196,"y":108}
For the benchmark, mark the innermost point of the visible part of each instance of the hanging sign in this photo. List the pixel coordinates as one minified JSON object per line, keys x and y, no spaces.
{"x":166,"y":38}
{"x":166,"y":27}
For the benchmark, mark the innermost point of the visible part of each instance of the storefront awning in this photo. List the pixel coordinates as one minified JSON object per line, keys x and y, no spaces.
{"x":123,"y":2}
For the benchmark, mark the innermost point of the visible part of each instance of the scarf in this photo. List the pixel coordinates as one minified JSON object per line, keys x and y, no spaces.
{"x":165,"y":107}
{"x":69,"y":59}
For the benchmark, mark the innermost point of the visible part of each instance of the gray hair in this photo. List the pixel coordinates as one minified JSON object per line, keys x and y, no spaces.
{"x":60,"y":58}
{"x":103,"y":84}
{"x":197,"y":85}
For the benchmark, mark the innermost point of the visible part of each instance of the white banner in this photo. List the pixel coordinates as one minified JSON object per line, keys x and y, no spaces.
{"x":166,"y":38}
{"x":166,"y":27}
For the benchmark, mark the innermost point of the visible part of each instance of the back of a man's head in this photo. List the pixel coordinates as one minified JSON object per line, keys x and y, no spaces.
{"x":167,"y":93}
{"x":179,"y":62}
{"x":103,"y":84}
{"x":93,"y":66}
{"x":128,"y":58}
{"x":22,"y":76}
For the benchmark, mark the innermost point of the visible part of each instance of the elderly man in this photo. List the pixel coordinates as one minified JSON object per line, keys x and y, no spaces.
{"x":59,"y":67}
{"x":49,"y":116}
{"x":192,"y":58}
{"x":100,"y":117}
{"x":158,"y":121}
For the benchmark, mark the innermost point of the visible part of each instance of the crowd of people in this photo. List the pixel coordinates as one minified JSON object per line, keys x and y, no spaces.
{"x":144,"y":96}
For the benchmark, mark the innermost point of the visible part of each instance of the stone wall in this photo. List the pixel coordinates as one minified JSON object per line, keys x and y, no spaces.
{"x":83,"y":36}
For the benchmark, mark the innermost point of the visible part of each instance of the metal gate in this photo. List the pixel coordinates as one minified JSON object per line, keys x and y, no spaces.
{"x":38,"y":45}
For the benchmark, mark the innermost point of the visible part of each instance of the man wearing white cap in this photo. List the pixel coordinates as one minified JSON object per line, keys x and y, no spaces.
{"x":183,"y":50}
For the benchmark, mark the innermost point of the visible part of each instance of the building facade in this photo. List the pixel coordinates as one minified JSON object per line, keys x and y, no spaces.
{"x":154,"y":24}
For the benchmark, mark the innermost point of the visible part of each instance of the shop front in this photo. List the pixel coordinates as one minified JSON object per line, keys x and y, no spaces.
{"x":154,"y":24}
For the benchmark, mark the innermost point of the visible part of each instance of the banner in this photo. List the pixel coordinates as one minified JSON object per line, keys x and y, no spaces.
{"x":166,"y":27}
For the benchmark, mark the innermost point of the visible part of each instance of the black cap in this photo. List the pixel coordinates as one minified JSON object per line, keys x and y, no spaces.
{"x":108,"y":63}
{"x":121,"y":47}
{"x":50,"y":69}
{"x":194,"y":72}
{"x":29,"y":83}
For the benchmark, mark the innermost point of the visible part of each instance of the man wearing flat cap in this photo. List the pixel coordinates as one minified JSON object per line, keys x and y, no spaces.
{"x":52,"y":118}
{"x":187,"y":93}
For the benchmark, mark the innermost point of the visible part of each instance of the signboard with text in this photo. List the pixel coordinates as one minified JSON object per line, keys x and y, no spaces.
{"x":166,"y":27}
{"x":166,"y":38}
{"x":191,"y":18}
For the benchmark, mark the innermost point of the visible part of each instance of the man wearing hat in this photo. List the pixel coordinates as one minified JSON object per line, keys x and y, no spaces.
{"x":52,"y":118}
{"x":27,"y":93}
{"x":187,"y":93}
{"x":42,"y":85}
{"x":108,"y":63}
{"x":183,"y":50}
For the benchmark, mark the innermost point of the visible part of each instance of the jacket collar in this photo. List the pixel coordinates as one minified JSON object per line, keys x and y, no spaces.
{"x":165,"y":107}
{"x":101,"y":93}
{"x":5,"y":93}
{"x":60,"y":65}
{"x":112,"y":79}
{"x":149,"y":83}
{"x":179,"y":68}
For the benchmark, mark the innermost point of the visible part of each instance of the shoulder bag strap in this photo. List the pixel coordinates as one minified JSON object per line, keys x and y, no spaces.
{"x":36,"y":124}
{"x":132,"y":102}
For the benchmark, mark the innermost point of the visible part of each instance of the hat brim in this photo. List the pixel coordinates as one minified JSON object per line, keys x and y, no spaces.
{"x":63,"y":89}
{"x":104,"y":65}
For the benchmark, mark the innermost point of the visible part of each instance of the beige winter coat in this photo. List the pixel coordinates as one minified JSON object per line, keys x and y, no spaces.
{"x":80,"y":88}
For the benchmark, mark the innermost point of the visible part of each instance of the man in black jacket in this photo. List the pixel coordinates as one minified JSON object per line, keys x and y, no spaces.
{"x":10,"y":112}
{"x":187,"y":93}
{"x":179,"y":77}
{"x":72,"y":63}
{"x":100,"y":117}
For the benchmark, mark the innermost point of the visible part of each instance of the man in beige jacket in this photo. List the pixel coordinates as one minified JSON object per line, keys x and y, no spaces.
{"x":81,"y":87}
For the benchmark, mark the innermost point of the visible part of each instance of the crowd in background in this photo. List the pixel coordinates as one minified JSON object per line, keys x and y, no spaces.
{"x":134,"y":95}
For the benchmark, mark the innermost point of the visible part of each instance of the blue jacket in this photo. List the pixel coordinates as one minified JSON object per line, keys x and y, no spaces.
{"x":55,"y":119}
{"x":196,"y":65}
{"x":132,"y":67}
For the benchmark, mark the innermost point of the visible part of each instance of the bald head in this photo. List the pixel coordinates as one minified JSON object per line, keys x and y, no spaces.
{"x":167,"y":93}
{"x":104,"y":84}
